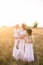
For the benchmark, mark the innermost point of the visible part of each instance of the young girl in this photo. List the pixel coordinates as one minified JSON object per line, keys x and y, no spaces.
{"x":29,"y":54}
{"x":16,"y":42}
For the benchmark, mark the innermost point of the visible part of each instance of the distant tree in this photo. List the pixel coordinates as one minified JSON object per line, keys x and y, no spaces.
{"x":35,"y":24}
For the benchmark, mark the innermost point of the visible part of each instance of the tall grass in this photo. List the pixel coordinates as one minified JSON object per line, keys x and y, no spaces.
{"x":7,"y":43}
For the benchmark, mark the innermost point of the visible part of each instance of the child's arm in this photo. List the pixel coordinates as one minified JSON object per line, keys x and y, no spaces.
{"x":17,"y":46}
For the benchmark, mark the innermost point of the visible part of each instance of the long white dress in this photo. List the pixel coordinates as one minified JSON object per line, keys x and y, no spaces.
{"x":15,"y":50}
{"x":21,"y":45}
{"x":29,"y":54}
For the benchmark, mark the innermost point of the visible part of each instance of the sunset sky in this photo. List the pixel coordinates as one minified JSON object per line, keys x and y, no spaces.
{"x":20,"y":11}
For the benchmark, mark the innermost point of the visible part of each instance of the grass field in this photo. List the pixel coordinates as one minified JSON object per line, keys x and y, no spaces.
{"x":7,"y":42}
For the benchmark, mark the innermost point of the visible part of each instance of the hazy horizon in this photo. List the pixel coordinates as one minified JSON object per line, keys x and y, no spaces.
{"x":19,"y":11}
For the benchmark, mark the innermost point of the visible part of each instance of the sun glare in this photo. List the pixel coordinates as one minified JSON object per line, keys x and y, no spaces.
{"x":14,"y":12}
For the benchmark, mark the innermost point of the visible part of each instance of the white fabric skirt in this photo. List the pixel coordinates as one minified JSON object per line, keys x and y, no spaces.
{"x":28,"y":54}
{"x":16,"y":51}
{"x":21,"y":49}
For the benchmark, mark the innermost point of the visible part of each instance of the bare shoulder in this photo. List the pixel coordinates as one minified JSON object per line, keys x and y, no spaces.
{"x":32,"y":36}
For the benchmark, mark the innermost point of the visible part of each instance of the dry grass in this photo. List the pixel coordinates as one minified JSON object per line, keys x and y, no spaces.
{"x":6,"y":47}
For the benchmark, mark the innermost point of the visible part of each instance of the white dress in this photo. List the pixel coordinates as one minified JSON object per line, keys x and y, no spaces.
{"x":15,"y":50}
{"x":29,"y":54}
{"x":21,"y":45}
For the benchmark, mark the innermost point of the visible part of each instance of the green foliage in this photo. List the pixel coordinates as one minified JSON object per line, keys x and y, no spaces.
{"x":35,"y":24}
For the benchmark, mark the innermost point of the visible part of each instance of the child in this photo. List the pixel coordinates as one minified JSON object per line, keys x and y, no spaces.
{"x":16,"y":42}
{"x":29,"y":55}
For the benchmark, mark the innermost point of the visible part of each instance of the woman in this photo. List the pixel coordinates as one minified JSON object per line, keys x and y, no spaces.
{"x":29,"y":54}
{"x":21,"y":43}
